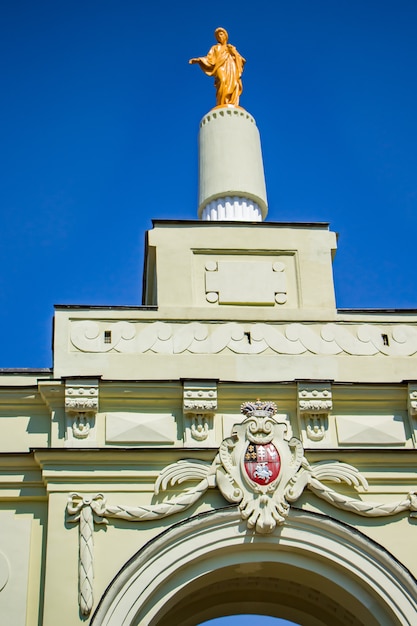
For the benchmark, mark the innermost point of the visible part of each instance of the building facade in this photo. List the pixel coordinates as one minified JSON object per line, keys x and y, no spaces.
{"x":235,"y":444}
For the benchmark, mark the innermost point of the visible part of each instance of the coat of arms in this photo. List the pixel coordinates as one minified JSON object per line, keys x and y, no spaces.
{"x":263,"y":471}
{"x":257,"y":465}
{"x":258,"y":468}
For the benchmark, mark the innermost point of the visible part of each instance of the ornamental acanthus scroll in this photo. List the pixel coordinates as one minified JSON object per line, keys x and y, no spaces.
{"x":257,"y":468}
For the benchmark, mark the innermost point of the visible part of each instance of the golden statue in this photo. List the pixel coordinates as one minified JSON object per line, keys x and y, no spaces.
{"x":226,"y":65}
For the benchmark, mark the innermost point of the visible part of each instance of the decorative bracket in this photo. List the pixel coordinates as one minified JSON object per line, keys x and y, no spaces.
{"x":412,"y":409}
{"x":259,"y":468}
{"x":314,"y":405}
{"x":199,"y":407}
{"x":81,"y":407}
{"x":412,"y":399}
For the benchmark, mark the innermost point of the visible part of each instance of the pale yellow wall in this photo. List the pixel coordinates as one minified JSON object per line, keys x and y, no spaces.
{"x":126,"y":476}
{"x":139,"y":422}
{"x":181,"y":249}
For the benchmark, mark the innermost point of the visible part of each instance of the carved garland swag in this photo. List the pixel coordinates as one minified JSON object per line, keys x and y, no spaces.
{"x":256,"y":468}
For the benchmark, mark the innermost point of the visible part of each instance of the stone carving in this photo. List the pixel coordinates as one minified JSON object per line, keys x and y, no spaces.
{"x":225,"y":63}
{"x":199,"y":406}
{"x":412,"y":399}
{"x":316,"y":426}
{"x":258,"y":468}
{"x":199,"y":338}
{"x":87,"y":512}
{"x":176,"y":473}
{"x":200,"y":427}
{"x":80,"y":425}
{"x":264,"y":497}
{"x":81,"y":406}
{"x":314,"y":405}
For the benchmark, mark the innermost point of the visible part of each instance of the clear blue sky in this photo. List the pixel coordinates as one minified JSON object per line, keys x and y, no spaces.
{"x":247,"y":620}
{"x":99,"y":120}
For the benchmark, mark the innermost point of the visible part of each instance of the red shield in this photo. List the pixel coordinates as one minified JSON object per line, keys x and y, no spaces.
{"x":262,"y":463}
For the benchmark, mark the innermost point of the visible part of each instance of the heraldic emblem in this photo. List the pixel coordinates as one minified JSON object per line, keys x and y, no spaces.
{"x":257,"y":468}
{"x":262,"y":471}
{"x":257,"y":465}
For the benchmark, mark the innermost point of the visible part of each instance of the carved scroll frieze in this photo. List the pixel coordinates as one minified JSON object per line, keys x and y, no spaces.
{"x":314,"y":405}
{"x":81,"y":406}
{"x":199,"y":338}
{"x":199,"y":407}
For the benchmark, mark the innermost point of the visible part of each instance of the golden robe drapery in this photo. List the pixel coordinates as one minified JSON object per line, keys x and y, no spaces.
{"x":226,"y":65}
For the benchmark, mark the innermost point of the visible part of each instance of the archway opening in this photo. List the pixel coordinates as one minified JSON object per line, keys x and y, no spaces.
{"x":313,"y":571}
{"x":248,"y":620}
{"x":292,"y":592}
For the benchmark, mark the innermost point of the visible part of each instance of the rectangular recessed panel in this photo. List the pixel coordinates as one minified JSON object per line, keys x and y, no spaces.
{"x":140,"y":428}
{"x":244,"y":282}
{"x":370,"y":430}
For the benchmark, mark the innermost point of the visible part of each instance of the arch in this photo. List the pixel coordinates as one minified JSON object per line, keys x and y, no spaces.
{"x":313,"y":570}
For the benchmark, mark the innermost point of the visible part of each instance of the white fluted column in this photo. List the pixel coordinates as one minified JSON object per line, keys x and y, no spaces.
{"x":232,"y":209}
{"x":231,"y":173}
